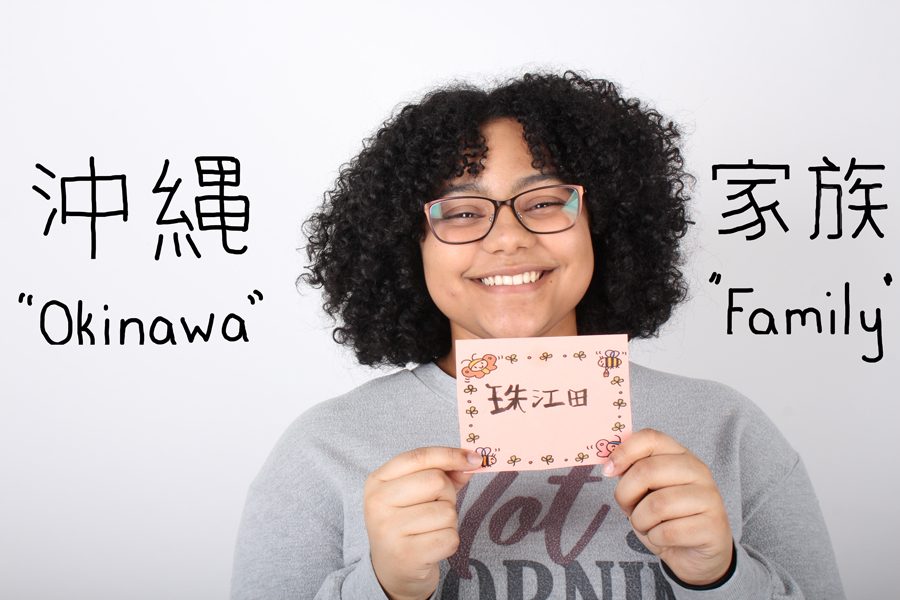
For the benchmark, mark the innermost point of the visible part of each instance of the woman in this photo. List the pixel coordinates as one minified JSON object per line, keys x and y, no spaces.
{"x":365,"y":496}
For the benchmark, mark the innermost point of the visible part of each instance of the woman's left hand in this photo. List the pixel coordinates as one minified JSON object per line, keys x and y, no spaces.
{"x":674,"y":505}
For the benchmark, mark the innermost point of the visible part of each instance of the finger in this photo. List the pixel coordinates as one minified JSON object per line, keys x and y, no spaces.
{"x":460,"y":478}
{"x":435,"y":546}
{"x":669,"y":504}
{"x":416,"y":488}
{"x":655,"y":473}
{"x":427,"y":517}
{"x":644,"y":443}
{"x":433,"y":457}
{"x":694,"y":531}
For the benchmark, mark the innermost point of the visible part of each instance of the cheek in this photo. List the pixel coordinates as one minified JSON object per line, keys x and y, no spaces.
{"x":445,"y":262}
{"x":442,"y":265}
{"x":429,"y":264}
{"x":581,"y":256}
{"x":586,"y":252}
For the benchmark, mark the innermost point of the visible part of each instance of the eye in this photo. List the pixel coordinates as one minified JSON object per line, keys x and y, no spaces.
{"x":543,"y":202}
{"x":462,"y":211}
{"x":461,"y":214}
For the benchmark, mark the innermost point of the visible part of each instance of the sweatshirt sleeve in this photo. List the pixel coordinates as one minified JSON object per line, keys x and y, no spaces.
{"x":784,"y":553}
{"x":291,"y":539}
{"x":782,"y":546}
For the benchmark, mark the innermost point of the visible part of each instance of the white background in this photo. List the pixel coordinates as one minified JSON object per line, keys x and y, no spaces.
{"x":124,"y":469}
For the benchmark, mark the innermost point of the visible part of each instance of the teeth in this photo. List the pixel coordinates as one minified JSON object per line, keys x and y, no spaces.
{"x":519,"y":279}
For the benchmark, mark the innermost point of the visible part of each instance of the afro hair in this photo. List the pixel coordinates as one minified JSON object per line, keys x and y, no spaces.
{"x":363,"y":241}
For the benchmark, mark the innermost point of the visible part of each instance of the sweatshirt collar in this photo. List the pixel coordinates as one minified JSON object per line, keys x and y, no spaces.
{"x":436,"y":380}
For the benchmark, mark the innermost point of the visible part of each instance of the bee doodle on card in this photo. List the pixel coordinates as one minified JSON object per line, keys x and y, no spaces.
{"x":610,"y":360}
{"x":479,"y":367}
{"x":488,"y":457}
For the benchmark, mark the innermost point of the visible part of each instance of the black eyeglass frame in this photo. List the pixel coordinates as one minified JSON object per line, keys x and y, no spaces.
{"x":512,"y":206}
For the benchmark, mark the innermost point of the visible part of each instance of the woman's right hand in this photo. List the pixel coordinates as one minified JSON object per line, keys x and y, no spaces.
{"x":410,"y":512}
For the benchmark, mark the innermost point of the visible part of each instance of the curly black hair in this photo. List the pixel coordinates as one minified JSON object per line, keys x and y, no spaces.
{"x":363,"y":242}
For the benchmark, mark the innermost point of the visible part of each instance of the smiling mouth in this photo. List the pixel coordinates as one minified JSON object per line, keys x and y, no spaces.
{"x":518,"y":279}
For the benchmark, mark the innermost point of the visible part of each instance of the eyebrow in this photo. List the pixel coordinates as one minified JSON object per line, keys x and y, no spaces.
{"x":524,"y":183}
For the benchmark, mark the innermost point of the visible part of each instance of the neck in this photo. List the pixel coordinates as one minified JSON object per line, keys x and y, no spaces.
{"x":447,"y":363}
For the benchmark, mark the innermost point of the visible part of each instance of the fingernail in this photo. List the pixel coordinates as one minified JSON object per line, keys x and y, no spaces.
{"x":609,"y":468}
{"x":473,"y":458}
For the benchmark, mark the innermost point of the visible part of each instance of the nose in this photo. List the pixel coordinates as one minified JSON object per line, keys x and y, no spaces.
{"x":507,"y":233}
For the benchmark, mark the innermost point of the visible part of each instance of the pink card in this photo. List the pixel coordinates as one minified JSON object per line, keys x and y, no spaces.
{"x":543,"y":403}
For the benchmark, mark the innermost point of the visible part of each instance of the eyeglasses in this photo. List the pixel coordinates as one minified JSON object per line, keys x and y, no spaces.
{"x":465,"y":219}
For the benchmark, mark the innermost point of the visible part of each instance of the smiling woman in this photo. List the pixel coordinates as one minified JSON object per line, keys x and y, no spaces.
{"x":549,"y":206}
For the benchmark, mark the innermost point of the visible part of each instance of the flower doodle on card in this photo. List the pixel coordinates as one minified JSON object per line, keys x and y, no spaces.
{"x":479,"y":367}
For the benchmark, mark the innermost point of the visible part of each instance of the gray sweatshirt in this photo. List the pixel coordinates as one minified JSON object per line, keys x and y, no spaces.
{"x":534,"y":534}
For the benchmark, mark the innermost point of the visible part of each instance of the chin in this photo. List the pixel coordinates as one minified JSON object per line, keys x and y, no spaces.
{"x":518,"y":330}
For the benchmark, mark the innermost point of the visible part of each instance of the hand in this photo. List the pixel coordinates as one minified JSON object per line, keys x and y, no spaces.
{"x":674,"y":505}
{"x":410,"y":512}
